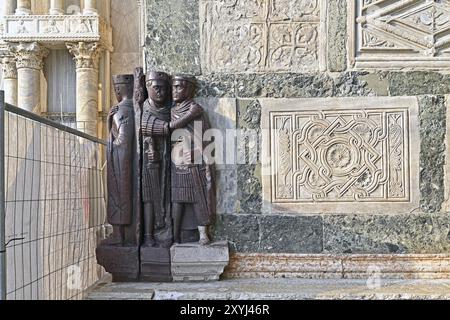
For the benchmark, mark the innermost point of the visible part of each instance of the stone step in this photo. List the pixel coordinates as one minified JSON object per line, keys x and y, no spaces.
{"x":277,"y":289}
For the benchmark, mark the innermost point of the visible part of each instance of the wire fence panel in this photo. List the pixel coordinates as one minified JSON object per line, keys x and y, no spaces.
{"x":55,"y":210}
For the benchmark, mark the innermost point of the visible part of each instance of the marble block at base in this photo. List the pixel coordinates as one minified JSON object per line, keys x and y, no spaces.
{"x":194,"y":262}
{"x":121,"y":262}
{"x":155,"y":264}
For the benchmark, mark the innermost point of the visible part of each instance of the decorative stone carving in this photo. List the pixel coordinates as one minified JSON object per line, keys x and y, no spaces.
{"x":263,"y":35}
{"x":86,"y":54}
{"x":400,"y":34}
{"x":57,"y":29}
{"x":9,"y":68}
{"x":29,"y":55}
{"x":334,"y":155}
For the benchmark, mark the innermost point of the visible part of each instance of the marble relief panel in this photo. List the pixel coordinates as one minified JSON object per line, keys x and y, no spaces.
{"x":263,"y":35}
{"x":400,"y":34}
{"x":341,"y":155}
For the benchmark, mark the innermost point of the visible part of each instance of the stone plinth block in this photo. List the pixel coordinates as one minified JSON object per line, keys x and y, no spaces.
{"x":155,"y":264}
{"x":194,"y":262}
{"x":121,"y":262}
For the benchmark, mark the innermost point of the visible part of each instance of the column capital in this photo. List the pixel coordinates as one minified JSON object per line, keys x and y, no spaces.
{"x":9,"y":67}
{"x":29,"y":55}
{"x":86,"y":54}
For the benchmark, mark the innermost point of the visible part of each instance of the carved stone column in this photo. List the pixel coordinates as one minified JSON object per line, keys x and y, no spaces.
{"x":86,"y":57}
{"x":90,"y":7}
{"x":23,"y":7}
{"x":29,"y":57}
{"x":10,"y":79}
{"x":56,"y":7}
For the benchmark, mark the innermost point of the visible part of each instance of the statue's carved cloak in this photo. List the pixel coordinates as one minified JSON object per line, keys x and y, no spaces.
{"x":120,"y":170}
{"x":156,"y":160}
{"x":194,"y":183}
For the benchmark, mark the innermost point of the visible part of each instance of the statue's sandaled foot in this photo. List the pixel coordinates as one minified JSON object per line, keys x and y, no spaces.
{"x":204,"y":240}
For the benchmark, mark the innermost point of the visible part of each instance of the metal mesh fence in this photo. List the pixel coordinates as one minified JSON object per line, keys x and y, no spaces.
{"x":55,"y":208}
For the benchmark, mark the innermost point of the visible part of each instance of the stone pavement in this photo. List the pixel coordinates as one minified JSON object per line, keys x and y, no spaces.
{"x":276,"y":289}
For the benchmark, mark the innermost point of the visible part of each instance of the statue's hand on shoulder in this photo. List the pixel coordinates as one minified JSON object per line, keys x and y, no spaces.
{"x":114,"y":110}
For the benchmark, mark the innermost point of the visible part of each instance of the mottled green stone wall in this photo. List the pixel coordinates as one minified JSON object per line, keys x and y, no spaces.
{"x":173,"y":45}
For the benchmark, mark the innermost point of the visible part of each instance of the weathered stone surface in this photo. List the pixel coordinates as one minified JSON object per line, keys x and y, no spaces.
{"x":432,"y":156}
{"x":411,"y":42}
{"x":276,"y":289}
{"x":217,"y":85}
{"x":249,"y":193}
{"x":222,"y":115}
{"x":227,"y":190}
{"x":337,"y":35}
{"x":173,"y":36}
{"x":266,"y":36}
{"x":335,"y":161}
{"x":241,"y":231}
{"x":290,"y":234}
{"x":155,"y":264}
{"x":256,"y":233}
{"x":378,"y":83}
{"x":418,"y":83}
{"x":384,"y":234}
{"x":121,"y":262}
{"x":296,"y":85}
{"x":336,"y":266}
{"x":249,"y":174}
{"x":195,"y":262}
{"x":351,"y":84}
{"x":285,"y":85}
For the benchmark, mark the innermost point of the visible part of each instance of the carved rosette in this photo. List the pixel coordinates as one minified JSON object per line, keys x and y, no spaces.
{"x":29,"y":55}
{"x":9,"y":67}
{"x":86,"y":55}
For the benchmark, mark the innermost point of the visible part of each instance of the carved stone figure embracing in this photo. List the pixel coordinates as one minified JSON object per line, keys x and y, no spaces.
{"x":193,"y":177}
{"x":161,"y":185}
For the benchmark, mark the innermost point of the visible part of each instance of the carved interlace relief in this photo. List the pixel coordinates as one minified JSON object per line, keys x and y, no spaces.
{"x":336,"y":156}
{"x":262,"y":35}
{"x":402,"y":33}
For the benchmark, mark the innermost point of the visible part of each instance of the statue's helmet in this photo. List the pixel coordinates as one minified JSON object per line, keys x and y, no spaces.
{"x":185,"y":77}
{"x":123,"y":79}
{"x":157,"y":75}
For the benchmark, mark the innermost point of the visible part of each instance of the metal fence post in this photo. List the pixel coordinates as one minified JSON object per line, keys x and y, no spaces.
{"x":2,"y":199}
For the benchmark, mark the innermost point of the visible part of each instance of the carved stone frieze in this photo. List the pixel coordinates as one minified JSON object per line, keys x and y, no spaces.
{"x":263,"y":35}
{"x":331,"y":152}
{"x":400,"y":34}
{"x":57,"y":29}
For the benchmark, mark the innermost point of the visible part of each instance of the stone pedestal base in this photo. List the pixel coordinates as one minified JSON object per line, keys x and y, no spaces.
{"x":194,"y":262}
{"x":121,"y":262}
{"x":155,"y":265}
